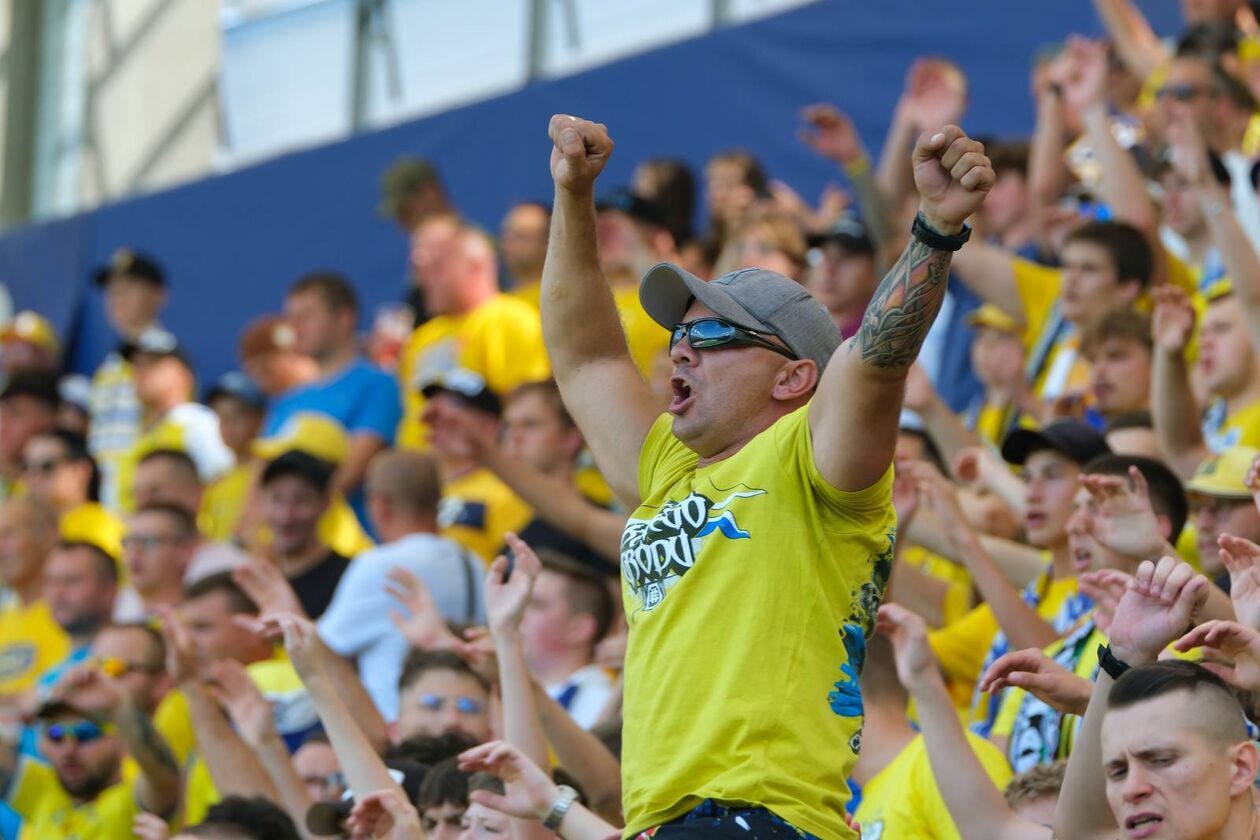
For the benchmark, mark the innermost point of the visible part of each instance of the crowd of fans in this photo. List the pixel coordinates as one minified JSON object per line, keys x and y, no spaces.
{"x":408,"y":585}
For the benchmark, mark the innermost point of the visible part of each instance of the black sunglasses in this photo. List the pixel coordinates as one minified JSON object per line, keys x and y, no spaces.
{"x":712,"y":333}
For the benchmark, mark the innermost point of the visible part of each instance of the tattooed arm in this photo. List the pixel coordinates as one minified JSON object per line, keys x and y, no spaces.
{"x":853,"y":416}
{"x":158,"y":786}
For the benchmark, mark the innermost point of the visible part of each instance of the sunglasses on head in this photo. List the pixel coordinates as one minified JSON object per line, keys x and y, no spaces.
{"x":81,"y":732}
{"x":463,"y":705}
{"x":714,"y":333}
{"x":117,"y":667}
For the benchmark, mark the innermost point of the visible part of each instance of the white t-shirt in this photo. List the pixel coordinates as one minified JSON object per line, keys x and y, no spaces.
{"x":584,"y":694}
{"x":357,"y":623}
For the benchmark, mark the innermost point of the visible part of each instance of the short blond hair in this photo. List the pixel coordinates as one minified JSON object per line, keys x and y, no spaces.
{"x":1035,"y":783}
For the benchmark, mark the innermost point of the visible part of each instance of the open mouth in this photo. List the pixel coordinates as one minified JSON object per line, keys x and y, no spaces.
{"x":1082,"y":560}
{"x":1143,"y":825}
{"x":1034,"y":520}
{"x":683,"y":396}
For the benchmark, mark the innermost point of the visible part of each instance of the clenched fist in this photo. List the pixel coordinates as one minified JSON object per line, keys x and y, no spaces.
{"x":953,"y":175}
{"x":581,"y":150}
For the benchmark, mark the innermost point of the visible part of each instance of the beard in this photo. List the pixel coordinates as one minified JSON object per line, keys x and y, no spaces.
{"x":88,"y":785}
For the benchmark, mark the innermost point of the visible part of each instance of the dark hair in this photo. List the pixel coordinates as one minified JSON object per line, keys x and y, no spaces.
{"x":549,"y":391}
{"x":420,"y":662}
{"x":1130,"y":420}
{"x":431,"y":749}
{"x":484,"y":781}
{"x":222,"y":582}
{"x":314,"y":471}
{"x":1119,"y":323}
{"x":584,"y":590}
{"x":181,"y":459}
{"x":753,"y":175}
{"x":76,"y":448}
{"x":675,"y":195}
{"x":1125,"y":245}
{"x":444,"y":784}
{"x":255,"y":817}
{"x":106,"y":566}
{"x":1147,"y":682}
{"x":1208,"y":41}
{"x":335,"y":290}
{"x":36,"y":384}
{"x":182,"y":518}
{"x":1008,"y":155}
{"x":1168,"y":497}
{"x":931,"y":453}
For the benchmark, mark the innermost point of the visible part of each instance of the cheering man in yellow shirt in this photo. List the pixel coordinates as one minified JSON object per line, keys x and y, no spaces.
{"x":763,"y":535}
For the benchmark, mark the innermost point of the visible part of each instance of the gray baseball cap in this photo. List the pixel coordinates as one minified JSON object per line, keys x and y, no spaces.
{"x":753,"y":298}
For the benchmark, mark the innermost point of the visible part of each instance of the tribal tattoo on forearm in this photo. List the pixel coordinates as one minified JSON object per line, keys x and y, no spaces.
{"x":903,"y":308}
{"x":147,"y":745}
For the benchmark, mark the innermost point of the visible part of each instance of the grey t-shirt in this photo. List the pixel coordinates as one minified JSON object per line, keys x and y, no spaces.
{"x":357,"y":623}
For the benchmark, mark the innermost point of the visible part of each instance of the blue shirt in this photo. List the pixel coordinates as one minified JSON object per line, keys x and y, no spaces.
{"x":362,"y":398}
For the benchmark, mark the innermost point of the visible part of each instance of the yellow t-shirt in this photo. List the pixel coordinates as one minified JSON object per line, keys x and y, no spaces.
{"x":477,"y":510}
{"x":953,"y":575}
{"x":903,"y":801}
{"x":224,"y":501}
{"x":1240,"y":427}
{"x":501,"y":340}
{"x":646,"y":338}
{"x":31,"y":642}
{"x":962,"y":647}
{"x":750,"y":586}
{"x":48,"y":812}
{"x":531,"y":294}
{"x":94,"y":524}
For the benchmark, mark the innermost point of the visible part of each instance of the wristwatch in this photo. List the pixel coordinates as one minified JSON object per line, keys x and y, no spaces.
{"x":1113,"y":667}
{"x":564,"y":801}
{"x":936,"y":240}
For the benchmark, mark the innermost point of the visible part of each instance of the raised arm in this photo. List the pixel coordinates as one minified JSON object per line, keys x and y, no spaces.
{"x":1175,"y":415}
{"x":831,"y":134}
{"x":860,"y":393}
{"x":1136,"y":43}
{"x":1159,"y":603}
{"x":600,"y":384}
{"x":977,"y":807}
{"x":582,"y":754}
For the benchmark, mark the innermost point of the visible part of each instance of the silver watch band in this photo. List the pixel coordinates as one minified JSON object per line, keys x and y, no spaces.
{"x":564,"y":801}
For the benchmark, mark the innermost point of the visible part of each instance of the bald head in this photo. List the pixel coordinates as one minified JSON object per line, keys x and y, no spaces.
{"x":403,"y":493}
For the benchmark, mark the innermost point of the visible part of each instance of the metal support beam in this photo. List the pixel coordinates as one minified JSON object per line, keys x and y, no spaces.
{"x":20,"y":66}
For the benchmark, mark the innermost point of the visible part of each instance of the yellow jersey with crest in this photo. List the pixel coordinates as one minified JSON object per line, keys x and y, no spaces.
{"x":750,"y":587}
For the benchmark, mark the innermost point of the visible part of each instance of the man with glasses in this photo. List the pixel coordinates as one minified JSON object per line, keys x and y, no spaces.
{"x":763,"y":535}
{"x":438,"y":693}
{"x":87,"y":729}
{"x":157,"y":549}
{"x":1221,"y":503}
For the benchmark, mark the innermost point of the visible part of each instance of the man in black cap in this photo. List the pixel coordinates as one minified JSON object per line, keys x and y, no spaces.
{"x":165,"y":386}
{"x":845,"y":279}
{"x":135,"y":292}
{"x":762,"y":541}
{"x":412,"y":191}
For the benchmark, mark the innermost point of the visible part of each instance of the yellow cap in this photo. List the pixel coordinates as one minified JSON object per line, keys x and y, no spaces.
{"x":994,"y":318}
{"x":32,"y":328}
{"x":1224,"y":475}
{"x":92,"y":524}
{"x":1218,"y":289}
{"x":318,"y":435}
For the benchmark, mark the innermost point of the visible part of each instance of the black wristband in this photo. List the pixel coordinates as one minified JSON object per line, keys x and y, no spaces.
{"x":935,"y":240}
{"x":1113,"y":667}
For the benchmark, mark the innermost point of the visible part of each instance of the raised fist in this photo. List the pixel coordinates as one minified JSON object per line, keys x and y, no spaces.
{"x":952,"y":175}
{"x":581,"y":150}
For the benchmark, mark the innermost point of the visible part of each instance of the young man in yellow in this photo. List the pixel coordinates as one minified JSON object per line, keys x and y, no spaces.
{"x":1222,"y":503}
{"x":1117,"y":346}
{"x":81,"y":792}
{"x":763,"y":535}
{"x":1106,"y":265}
{"x":135,"y":292}
{"x":997,"y":357}
{"x":477,"y":509}
{"x":474,"y":327}
{"x":31,"y":641}
{"x":523,"y":244}
{"x":900,"y":794}
{"x":57,"y":470}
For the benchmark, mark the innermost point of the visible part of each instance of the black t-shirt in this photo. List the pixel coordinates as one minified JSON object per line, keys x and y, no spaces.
{"x":316,"y":585}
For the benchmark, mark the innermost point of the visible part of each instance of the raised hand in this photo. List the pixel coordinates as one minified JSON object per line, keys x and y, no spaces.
{"x":1159,"y":603}
{"x":830,"y":133}
{"x":1173,"y":319}
{"x":920,"y":392}
{"x":529,"y":790}
{"x":506,"y":600}
{"x":182,"y":663}
{"x":1105,"y":587}
{"x":1253,"y":481}
{"x":250,"y":712}
{"x":148,"y":826}
{"x":300,"y":638}
{"x":1042,"y":677}
{"x":1242,"y":558}
{"x":952,"y":175}
{"x":267,"y":587}
{"x":91,"y":690}
{"x":916,"y":666}
{"x":975,"y":465}
{"x":935,"y":94}
{"x":939,"y":493}
{"x":384,"y":815}
{"x":581,"y":149}
{"x":1228,"y":640}
{"x":1085,"y":80}
{"x":1123,"y":519}
{"x":423,"y":626}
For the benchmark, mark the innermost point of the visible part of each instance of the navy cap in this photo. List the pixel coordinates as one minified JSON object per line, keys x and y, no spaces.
{"x":1074,"y":440}
{"x":633,"y":205}
{"x":238,"y":385}
{"x":849,"y":232}
{"x":131,"y":264}
{"x":469,"y":387}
